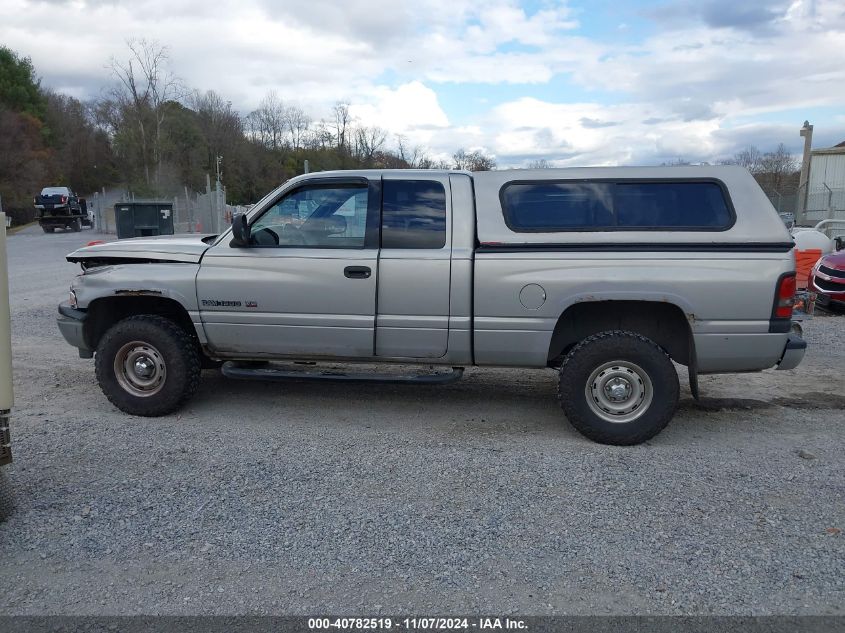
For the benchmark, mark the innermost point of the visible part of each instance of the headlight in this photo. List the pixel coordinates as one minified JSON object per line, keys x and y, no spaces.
{"x":72,"y":299}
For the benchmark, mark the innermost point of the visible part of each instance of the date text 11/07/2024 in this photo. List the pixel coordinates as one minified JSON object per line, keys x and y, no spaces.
{"x":417,"y":624}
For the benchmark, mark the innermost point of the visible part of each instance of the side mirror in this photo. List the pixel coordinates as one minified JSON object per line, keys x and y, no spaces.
{"x":839,"y":243}
{"x":240,"y":231}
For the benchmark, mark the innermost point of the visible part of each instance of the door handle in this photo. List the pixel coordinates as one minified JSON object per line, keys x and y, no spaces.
{"x":357,"y":272}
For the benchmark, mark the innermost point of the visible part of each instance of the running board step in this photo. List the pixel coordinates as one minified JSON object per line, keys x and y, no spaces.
{"x":231,"y":369}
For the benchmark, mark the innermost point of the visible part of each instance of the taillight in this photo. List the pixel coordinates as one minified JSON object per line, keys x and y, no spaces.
{"x":785,"y":297}
{"x":64,"y":199}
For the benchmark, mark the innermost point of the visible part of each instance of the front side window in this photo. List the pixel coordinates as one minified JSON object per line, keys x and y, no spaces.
{"x":321,"y":216}
{"x":413,"y":214}
{"x":608,"y":206}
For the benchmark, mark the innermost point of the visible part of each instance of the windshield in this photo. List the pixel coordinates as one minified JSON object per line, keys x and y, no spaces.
{"x":55,"y":191}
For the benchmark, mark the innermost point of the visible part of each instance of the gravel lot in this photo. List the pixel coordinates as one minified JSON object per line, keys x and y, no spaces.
{"x":308,"y":498}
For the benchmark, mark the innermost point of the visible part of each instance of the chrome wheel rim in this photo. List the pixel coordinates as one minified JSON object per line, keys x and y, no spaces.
{"x":619,"y":391}
{"x":140,"y":369}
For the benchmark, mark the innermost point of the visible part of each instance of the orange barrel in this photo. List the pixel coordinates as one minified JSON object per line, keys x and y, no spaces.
{"x":804,"y":262}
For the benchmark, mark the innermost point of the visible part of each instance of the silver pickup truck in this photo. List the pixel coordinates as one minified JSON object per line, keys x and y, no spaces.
{"x":606,"y":275}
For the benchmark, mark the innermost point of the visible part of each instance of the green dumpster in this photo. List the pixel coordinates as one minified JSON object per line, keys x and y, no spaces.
{"x":141,"y":219}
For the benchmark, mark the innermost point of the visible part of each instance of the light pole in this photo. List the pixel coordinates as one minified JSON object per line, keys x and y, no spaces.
{"x":219,"y":206}
{"x":807,"y":133}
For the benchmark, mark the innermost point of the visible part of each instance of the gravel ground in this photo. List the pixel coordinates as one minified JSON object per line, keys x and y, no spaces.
{"x":308,"y":498}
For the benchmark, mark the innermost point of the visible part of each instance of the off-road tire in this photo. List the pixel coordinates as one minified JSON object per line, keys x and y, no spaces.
{"x":178,"y":350}
{"x":606,"y":347}
{"x":7,"y":497}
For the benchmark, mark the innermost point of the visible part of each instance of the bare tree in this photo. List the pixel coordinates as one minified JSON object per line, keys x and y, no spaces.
{"x":145,"y":85}
{"x":342,"y":121}
{"x":298,"y":123}
{"x":402,"y":149}
{"x":321,"y":136}
{"x":775,"y":171}
{"x":779,"y":161}
{"x":751,"y":158}
{"x":542,"y":163}
{"x":461,"y":159}
{"x":415,"y":157}
{"x":777,"y":167}
{"x":368,"y":141}
{"x":476,"y":160}
{"x":268,"y":123}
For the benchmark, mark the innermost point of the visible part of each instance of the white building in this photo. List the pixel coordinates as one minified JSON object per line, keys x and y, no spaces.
{"x":826,"y":182}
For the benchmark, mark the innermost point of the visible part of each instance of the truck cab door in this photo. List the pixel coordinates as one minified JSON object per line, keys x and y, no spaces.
{"x":414,"y":267}
{"x":305,"y":287}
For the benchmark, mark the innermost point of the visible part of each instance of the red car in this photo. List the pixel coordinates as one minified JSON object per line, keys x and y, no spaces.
{"x":827,"y":279}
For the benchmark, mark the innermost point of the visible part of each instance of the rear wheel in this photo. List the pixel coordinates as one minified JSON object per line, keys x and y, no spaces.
{"x":618,"y":387}
{"x":147,"y":365}
{"x":48,"y":229}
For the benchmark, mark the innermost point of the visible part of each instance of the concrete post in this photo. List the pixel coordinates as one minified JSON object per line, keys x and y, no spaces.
{"x":807,"y":133}
{"x":6,"y":394}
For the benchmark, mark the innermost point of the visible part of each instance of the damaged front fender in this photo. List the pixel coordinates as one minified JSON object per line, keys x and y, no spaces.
{"x":164,"y":280}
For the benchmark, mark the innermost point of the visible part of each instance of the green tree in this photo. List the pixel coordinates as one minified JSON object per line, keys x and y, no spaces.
{"x":20,"y":89}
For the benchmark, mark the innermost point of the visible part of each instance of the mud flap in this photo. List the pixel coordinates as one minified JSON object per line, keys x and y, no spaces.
{"x":692,"y":368}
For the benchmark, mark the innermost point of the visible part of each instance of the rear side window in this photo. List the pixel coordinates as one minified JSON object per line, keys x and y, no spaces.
{"x":413,"y":214}
{"x":547,"y":206}
{"x":609,"y":206}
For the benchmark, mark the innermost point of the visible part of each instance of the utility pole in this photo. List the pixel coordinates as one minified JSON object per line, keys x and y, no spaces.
{"x":807,"y":133}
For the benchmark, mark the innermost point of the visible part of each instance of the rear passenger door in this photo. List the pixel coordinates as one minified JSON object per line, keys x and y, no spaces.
{"x":414,"y":267}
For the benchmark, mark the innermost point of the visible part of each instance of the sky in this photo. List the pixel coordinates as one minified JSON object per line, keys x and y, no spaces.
{"x":577,"y":82}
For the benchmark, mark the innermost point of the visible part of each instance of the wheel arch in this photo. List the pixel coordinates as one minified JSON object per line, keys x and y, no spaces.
{"x":662,"y":320}
{"x":104,"y":312}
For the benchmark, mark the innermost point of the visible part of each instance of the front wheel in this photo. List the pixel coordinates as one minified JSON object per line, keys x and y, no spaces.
{"x":75,"y":226}
{"x":147,"y":365}
{"x":618,"y":387}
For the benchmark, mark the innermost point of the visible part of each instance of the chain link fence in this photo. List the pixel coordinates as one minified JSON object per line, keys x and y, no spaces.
{"x":824,"y":203}
{"x":193,"y":212}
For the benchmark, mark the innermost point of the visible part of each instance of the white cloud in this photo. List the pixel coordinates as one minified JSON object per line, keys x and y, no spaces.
{"x":411,"y":109}
{"x":691,"y":89}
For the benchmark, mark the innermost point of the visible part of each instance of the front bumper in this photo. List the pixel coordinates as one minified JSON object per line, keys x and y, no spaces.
{"x":827,"y":288}
{"x":793,"y":353}
{"x":72,"y":326}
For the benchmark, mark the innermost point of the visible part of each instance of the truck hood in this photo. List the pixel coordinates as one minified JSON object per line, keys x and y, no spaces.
{"x":186,"y":248}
